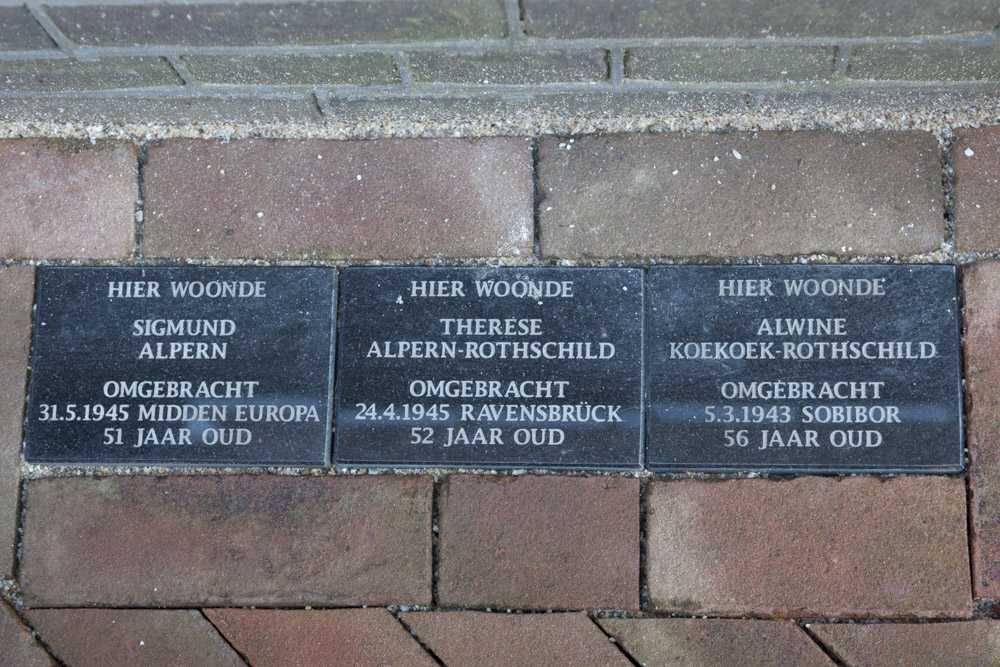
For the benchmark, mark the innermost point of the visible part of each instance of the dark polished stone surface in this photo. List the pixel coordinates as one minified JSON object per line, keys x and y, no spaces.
{"x":433,"y":371}
{"x":237,"y":370}
{"x":748,"y":376}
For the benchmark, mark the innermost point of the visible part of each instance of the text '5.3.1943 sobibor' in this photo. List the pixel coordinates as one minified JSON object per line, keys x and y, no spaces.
{"x":804,"y":368}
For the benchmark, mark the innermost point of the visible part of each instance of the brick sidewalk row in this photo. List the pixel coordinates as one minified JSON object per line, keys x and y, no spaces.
{"x":488,"y":43}
{"x":731,"y":548}
{"x":764,"y":63}
{"x":809,"y":547}
{"x":420,"y":67}
{"x":395,"y":21}
{"x":374,"y":636}
{"x":624,"y":196}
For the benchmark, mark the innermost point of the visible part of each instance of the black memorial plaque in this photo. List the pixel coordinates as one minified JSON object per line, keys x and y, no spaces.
{"x":192,"y":365}
{"x":833,"y":369}
{"x":490,"y":367}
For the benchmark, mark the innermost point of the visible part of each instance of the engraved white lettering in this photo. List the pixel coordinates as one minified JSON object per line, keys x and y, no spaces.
{"x":525,"y":289}
{"x":216,"y":289}
{"x":831,"y":287}
{"x":179,"y":389}
{"x":183,"y":328}
{"x":436,"y":288}
{"x":745,"y":288}
{"x":138,"y":289}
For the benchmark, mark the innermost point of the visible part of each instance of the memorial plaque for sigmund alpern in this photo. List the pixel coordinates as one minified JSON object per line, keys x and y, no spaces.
{"x":804,"y":369}
{"x":490,"y":367}
{"x":172,"y":365}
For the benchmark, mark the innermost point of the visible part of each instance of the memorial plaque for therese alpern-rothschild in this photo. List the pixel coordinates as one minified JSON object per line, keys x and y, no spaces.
{"x":490,"y":367}
{"x":804,"y":369}
{"x":182,"y":365}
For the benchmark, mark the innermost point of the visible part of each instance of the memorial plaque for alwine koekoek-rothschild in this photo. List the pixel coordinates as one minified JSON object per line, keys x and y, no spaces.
{"x":189,"y":365}
{"x":804,"y":369}
{"x":490,"y":367}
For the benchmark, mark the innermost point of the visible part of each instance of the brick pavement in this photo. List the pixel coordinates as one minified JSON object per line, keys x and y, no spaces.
{"x":811,"y":547}
{"x":475,"y":567}
{"x":130,"y":62}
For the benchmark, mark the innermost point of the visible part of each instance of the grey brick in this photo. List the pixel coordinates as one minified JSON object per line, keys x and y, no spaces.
{"x":740,"y":194}
{"x":543,"y":111}
{"x":806,"y":106}
{"x":360,"y":69}
{"x":291,"y":23}
{"x":539,"y":113}
{"x":19,"y":30}
{"x":572,"y":19}
{"x":509,"y":67}
{"x":925,"y":63}
{"x":161,"y":109}
{"x":742,"y":64}
{"x":72,"y":74}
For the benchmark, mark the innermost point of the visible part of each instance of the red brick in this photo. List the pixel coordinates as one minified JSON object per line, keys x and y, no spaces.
{"x":810,"y":546}
{"x":977,"y":189}
{"x":740,"y":194}
{"x":539,"y":542}
{"x":399,"y":198}
{"x":17,"y":286}
{"x":67,"y":198}
{"x":132,"y":637}
{"x":982,"y":390}
{"x":689,"y":641}
{"x":958,"y":644}
{"x":17,"y":645}
{"x":477,"y":638}
{"x":233,"y":540}
{"x":319,"y":637}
